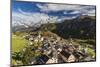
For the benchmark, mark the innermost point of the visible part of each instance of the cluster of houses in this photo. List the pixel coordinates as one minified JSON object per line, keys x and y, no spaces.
{"x":56,"y":50}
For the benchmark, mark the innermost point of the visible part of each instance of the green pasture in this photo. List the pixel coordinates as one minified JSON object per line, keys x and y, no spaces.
{"x":18,"y":43}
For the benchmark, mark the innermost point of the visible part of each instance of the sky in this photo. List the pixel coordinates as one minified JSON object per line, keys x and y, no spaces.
{"x":34,"y":12}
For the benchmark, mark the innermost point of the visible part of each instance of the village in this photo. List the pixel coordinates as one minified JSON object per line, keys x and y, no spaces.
{"x":54,"y":49}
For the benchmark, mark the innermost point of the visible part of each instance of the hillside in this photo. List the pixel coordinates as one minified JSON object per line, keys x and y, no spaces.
{"x":70,"y":39}
{"x":76,"y":28}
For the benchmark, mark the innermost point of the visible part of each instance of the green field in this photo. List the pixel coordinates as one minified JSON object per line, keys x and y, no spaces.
{"x":18,"y":43}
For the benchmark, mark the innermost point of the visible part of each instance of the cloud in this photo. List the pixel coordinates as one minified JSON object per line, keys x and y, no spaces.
{"x":56,"y":7}
{"x":75,"y":12}
{"x":66,"y":18}
{"x":23,"y":12}
{"x":62,"y":7}
{"x":31,"y":19}
{"x":91,"y":13}
{"x":65,"y":12}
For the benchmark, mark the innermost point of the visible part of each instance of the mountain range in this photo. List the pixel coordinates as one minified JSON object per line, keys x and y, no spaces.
{"x":80,"y":27}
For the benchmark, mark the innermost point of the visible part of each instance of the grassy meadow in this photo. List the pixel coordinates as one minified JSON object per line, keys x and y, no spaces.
{"x":18,"y":43}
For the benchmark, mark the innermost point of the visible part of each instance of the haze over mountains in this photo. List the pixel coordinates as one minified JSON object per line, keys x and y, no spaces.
{"x":35,"y":20}
{"x":26,"y":22}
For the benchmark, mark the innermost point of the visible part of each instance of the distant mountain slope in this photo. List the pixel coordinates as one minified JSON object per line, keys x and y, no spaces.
{"x":84,"y":27}
{"x":80,"y":27}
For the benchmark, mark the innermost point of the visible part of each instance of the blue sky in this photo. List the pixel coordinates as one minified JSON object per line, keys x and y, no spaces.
{"x":30,"y":11}
{"x":32,"y":7}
